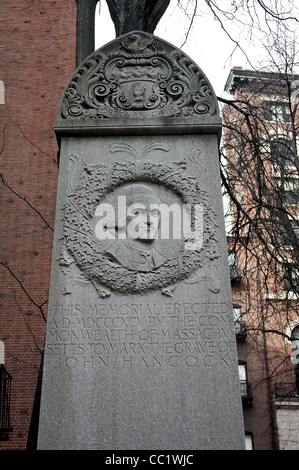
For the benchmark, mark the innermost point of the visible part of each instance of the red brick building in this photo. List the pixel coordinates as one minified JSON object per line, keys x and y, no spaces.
{"x":38,"y":55}
{"x":261,"y":148}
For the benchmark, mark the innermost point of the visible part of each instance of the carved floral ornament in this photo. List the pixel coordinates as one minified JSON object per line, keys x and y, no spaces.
{"x":137,"y":75}
{"x":83,"y":250}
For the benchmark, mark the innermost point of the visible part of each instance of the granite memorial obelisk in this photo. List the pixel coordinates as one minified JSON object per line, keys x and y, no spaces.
{"x":140,"y":349}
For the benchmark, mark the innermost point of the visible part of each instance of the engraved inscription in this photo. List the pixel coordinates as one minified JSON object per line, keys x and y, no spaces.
{"x":135,"y":335}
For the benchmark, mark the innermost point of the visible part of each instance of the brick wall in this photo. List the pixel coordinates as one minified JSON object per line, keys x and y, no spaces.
{"x":37,"y":58}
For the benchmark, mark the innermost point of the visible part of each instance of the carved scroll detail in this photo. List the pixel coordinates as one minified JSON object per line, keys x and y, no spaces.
{"x":137,"y":76}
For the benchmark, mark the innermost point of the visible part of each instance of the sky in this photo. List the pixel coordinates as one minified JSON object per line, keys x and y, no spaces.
{"x":207,"y":44}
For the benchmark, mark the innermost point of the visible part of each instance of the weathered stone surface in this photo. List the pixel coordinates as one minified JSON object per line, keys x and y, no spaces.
{"x":140,"y":350}
{"x":138,"y":83}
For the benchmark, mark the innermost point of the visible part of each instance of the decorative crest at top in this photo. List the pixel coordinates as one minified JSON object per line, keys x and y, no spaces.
{"x":137,"y":76}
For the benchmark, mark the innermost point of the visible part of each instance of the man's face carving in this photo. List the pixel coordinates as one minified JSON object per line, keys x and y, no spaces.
{"x":142,"y":216}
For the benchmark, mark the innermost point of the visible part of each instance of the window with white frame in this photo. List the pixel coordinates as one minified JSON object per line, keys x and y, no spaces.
{"x":288,"y":235}
{"x":282,"y":154}
{"x":243,"y":379}
{"x":239,"y":322}
{"x":277,"y":111}
{"x":235,"y":270}
{"x":288,"y":188}
{"x":291,"y":278}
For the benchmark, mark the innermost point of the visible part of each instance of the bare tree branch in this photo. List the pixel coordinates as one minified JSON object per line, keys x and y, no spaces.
{"x":23,"y":198}
{"x":38,"y":306}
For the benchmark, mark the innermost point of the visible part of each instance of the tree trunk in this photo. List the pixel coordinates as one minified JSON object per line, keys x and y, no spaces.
{"x":136,"y":15}
{"x":85,"y":29}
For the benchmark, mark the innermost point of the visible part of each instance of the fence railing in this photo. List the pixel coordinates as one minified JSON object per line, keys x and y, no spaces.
{"x":286,"y":389}
{"x":5,"y":393}
{"x":246,"y":392}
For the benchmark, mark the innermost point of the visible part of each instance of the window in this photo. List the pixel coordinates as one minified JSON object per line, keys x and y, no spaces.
{"x":291,"y":387}
{"x":295,"y":355}
{"x":244,"y":384}
{"x":281,"y":152}
{"x":235,"y":271}
{"x":291,"y":279}
{"x":288,"y":236}
{"x":277,"y":111}
{"x":243,"y":378}
{"x":295,"y":344}
{"x":239,"y":322}
{"x":288,"y":188}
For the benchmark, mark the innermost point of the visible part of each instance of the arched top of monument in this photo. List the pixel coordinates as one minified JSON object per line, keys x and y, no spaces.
{"x":138,"y":82}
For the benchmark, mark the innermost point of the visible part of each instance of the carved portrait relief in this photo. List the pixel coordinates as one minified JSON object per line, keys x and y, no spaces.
{"x":113,"y":227}
{"x":136,"y":250}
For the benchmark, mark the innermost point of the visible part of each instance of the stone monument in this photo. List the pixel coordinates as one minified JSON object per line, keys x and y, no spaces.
{"x":140,"y":349}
